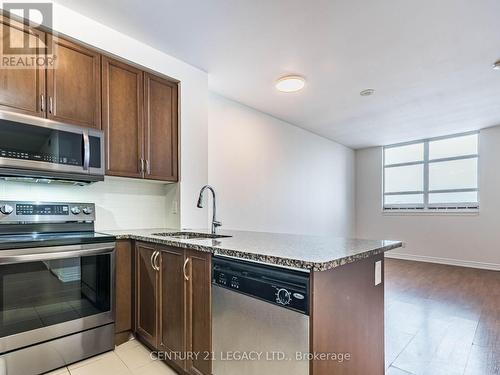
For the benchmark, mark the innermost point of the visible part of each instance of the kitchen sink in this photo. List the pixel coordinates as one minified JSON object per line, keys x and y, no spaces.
{"x":190,"y":235}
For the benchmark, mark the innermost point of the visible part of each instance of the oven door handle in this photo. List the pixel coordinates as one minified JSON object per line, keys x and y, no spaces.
{"x":54,"y":252}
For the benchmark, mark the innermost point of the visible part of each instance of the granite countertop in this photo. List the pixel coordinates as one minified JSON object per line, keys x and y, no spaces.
{"x":318,"y":253}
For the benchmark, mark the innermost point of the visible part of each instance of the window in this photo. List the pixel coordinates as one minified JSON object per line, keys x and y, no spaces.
{"x":434,"y":174}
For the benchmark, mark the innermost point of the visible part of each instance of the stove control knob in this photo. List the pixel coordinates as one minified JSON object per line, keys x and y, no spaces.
{"x":283,"y":297}
{"x":87,"y":210}
{"x":6,"y":209}
{"x":75,"y":210}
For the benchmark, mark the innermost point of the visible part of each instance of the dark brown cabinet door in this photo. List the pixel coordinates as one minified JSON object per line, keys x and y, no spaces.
{"x":74,"y":86}
{"x":22,"y":90}
{"x":160,"y":105}
{"x":122,"y":118}
{"x":146,"y":294}
{"x":124,"y":286}
{"x":172,"y":304}
{"x":199,"y":325}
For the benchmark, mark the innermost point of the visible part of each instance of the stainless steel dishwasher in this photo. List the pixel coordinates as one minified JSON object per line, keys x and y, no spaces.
{"x":260,"y":322}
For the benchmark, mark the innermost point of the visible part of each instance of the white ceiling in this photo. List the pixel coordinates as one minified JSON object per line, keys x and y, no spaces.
{"x":430,"y":61}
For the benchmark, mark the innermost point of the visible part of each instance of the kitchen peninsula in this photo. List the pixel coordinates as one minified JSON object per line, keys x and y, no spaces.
{"x":173,"y":281}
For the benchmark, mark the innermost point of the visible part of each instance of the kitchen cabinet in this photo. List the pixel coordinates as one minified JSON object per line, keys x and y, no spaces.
{"x":199,"y":314}
{"x":122,"y":118}
{"x":172,"y":314}
{"x":146,"y":291}
{"x":124,"y":271}
{"x":173,"y":304}
{"x":74,"y":87}
{"x":22,"y":90}
{"x":140,"y":120}
{"x":160,"y":106}
{"x":68,"y":92}
{"x":137,"y":110}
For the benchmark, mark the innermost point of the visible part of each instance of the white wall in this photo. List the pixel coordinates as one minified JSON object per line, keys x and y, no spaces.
{"x":193,"y":133}
{"x":471,"y":240}
{"x":274,"y":177}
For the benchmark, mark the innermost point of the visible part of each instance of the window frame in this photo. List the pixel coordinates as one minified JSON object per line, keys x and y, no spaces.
{"x":426,"y":207}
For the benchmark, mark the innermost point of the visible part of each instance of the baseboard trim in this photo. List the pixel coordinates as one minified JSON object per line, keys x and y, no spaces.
{"x":447,"y":261}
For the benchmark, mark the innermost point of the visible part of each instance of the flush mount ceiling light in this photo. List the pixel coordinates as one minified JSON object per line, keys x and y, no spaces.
{"x":367,"y":92}
{"x":290,"y":83}
{"x":496,"y":65}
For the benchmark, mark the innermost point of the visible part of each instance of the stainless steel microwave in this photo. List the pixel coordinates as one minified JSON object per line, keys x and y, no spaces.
{"x":38,"y":149}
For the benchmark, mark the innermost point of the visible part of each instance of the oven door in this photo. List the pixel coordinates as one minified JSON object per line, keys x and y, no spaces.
{"x":50,"y":292}
{"x":31,"y":143}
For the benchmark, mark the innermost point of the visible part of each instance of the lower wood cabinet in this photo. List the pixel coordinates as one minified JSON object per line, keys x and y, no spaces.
{"x":199,"y":312}
{"x":173,"y":305}
{"x":172,"y":313}
{"x":146,"y":294}
{"x":124,"y":286}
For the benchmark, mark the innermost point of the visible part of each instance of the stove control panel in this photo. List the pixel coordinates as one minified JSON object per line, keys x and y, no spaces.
{"x":17,"y":211}
{"x":42,"y":209}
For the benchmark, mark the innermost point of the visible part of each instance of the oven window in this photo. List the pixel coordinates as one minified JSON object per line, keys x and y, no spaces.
{"x":40,"y":294}
{"x":28,"y":142}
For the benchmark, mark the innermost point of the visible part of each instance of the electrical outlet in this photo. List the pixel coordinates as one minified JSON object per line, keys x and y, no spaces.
{"x":175,"y":207}
{"x":378,"y":272}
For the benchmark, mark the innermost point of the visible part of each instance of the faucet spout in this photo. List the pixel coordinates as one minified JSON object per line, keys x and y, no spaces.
{"x":215,"y":222}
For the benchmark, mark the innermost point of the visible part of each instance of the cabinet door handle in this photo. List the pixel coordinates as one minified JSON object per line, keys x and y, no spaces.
{"x":152,"y":260}
{"x":42,"y":103}
{"x":51,"y":104}
{"x":184,"y":269}
{"x":141,"y":165}
{"x":157,"y":266}
{"x":148,"y":168}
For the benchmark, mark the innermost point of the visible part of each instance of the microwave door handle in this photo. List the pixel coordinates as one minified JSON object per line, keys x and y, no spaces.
{"x":53,"y":252}
{"x":86,"y":151}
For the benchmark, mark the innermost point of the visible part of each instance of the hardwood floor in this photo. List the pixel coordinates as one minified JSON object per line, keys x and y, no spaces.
{"x":441,"y":320}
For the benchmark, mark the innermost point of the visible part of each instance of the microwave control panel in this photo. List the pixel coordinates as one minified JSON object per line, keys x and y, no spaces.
{"x":48,"y":158}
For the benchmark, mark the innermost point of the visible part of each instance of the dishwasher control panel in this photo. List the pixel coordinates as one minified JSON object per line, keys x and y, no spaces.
{"x":279,"y":286}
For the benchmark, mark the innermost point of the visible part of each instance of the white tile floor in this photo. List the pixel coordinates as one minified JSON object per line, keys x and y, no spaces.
{"x":131,"y":358}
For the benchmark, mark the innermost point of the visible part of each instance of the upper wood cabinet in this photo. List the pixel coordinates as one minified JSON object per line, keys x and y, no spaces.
{"x":69,"y":92}
{"x":74,"y":86}
{"x":140,"y":119}
{"x":160,"y":109}
{"x":138,"y":110}
{"x":122,"y":114}
{"x":22,"y":90}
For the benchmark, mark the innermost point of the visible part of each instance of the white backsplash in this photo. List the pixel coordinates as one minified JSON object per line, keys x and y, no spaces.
{"x":120,"y":203}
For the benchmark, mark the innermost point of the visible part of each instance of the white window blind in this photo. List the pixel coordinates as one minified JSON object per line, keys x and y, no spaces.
{"x":434,"y":174}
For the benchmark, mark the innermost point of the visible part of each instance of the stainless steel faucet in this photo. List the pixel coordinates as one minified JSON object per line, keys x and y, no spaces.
{"x":215,"y":223}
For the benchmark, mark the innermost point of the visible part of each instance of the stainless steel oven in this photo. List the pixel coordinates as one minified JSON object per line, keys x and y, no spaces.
{"x":38,"y":148}
{"x":56,"y":286}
